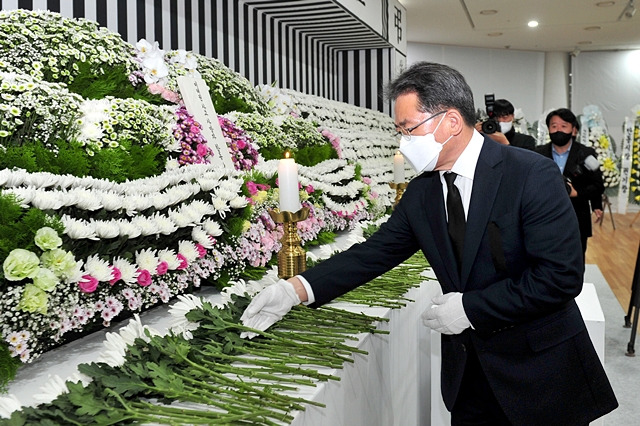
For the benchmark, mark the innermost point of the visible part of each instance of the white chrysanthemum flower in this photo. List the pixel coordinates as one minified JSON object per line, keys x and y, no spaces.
{"x":179,"y":323}
{"x":136,"y":330}
{"x":188,"y":250}
{"x":24,"y":195}
{"x":127,"y":270}
{"x":238,"y":287}
{"x":163,"y":224}
{"x":212,"y":228}
{"x":169,"y":256}
{"x":200,"y":235}
{"x":98,"y":268}
{"x":52,"y":388}
{"x":9,"y":404}
{"x":78,"y":230}
{"x":91,"y":132}
{"x":106,"y":229}
{"x":201,"y":208}
{"x":172,"y":164}
{"x":238,"y":203}
{"x":48,"y":200}
{"x":146,"y":225}
{"x":86,"y":199}
{"x":220,"y":206}
{"x":115,"y":350}
{"x":147,"y":259}
{"x":42,"y":180}
{"x":180,"y":218}
{"x":128,"y":229}
{"x":208,"y":184}
{"x":111,"y":201}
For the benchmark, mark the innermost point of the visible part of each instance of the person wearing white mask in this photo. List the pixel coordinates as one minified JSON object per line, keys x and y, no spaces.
{"x":507,"y":135}
{"x":499,"y":232}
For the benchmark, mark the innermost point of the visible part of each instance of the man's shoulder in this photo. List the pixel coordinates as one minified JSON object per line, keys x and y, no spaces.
{"x":522,"y":140}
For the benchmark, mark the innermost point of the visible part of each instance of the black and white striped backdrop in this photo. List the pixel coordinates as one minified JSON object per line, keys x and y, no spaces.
{"x":312,"y":46}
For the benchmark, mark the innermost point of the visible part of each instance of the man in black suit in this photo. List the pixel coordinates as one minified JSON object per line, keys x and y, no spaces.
{"x":505,"y":249}
{"x":579,"y":166}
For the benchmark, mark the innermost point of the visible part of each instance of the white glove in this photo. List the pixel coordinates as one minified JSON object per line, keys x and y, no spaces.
{"x":446,"y":315}
{"x":268,"y":307}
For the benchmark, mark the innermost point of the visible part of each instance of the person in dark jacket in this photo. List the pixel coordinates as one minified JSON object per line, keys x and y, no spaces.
{"x":579,"y":165}
{"x":507,"y":135}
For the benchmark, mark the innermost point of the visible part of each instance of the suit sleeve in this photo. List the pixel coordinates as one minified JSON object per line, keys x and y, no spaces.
{"x":393,"y":243}
{"x":590,"y":184}
{"x":547,"y":231}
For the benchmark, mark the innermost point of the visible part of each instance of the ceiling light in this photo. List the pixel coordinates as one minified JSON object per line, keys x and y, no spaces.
{"x":495,"y":34}
{"x":488,"y":12}
{"x":605,"y":3}
{"x":532,"y":24}
{"x":593,"y":28}
{"x":585,"y":42}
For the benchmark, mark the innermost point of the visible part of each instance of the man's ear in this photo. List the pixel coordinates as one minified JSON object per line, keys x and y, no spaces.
{"x":455,"y":120}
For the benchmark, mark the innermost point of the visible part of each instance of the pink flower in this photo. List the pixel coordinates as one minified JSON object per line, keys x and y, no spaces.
{"x":144,"y":277}
{"x":252,"y":187}
{"x":183,"y":261}
{"x":155,"y":88}
{"x":162,"y":268}
{"x":115,"y":274}
{"x":309,"y":189}
{"x":202,"y":252}
{"x":366,"y":180}
{"x":202,"y":150}
{"x":89,"y":284}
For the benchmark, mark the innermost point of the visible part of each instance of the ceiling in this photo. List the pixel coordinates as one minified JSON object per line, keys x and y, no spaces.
{"x":564,"y":25}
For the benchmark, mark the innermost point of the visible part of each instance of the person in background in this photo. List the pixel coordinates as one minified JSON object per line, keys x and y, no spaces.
{"x":497,"y":227}
{"x":579,"y":166}
{"x":507,"y":135}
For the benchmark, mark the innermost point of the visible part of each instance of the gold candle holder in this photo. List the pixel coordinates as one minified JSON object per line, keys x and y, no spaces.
{"x":292,"y":258}
{"x":399,"y":187}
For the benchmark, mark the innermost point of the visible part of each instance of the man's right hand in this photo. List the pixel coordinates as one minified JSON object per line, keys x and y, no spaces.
{"x":269,"y":306}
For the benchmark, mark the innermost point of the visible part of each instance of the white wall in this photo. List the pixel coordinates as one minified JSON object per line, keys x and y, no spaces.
{"x":517,"y":76}
{"x":537,"y":82}
{"x":609,"y":80}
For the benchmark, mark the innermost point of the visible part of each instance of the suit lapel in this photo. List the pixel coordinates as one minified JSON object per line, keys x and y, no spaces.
{"x":486,"y":182}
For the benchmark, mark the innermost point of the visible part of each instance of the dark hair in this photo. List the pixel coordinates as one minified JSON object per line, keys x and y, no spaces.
{"x":502,"y":107}
{"x":566,"y":115}
{"x":438,"y":87}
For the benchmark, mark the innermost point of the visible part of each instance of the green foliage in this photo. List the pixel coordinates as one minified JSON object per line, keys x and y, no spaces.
{"x":324,"y":237}
{"x":8,"y":367}
{"x":306,"y":156}
{"x":126,"y":162}
{"x":113,"y":83}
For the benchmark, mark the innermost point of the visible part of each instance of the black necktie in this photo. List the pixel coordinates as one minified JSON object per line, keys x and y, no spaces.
{"x":457,"y":222}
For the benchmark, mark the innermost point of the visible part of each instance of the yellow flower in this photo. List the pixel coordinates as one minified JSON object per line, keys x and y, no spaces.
{"x":604,"y":141}
{"x":245,"y":226}
{"x":260,"y":197}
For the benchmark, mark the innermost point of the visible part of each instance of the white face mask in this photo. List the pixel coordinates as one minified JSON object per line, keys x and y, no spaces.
{"x":505,"y":126}
{"x":422,"y":152}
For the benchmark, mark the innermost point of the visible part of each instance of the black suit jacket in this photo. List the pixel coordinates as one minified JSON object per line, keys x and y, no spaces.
{"x":588,"y":184}
{"x":521,"y":270}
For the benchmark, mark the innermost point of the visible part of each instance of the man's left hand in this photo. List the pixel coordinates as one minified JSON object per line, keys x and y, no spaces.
{"x":446,"y":314}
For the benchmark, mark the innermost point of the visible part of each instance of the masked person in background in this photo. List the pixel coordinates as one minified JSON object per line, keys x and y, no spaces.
{"x":505,"y":249}
{"x":507,"y":135}
{"x":579,"y":166}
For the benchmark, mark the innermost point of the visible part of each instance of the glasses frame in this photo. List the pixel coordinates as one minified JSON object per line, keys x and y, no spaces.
{"x":406,"y":133}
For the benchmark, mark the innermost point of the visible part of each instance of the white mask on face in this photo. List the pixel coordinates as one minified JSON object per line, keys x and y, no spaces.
{"x":422,"y":152}
{"x":505,"y":126}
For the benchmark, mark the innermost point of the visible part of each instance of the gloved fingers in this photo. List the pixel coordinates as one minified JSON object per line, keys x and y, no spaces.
{"x":248,"y":335}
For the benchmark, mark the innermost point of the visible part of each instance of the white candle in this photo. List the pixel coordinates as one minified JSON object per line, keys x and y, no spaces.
{"x":288,"y":184}
{"x":398,"y":168}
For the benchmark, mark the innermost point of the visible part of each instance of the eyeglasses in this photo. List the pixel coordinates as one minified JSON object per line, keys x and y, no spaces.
{"x":406,"y":133}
